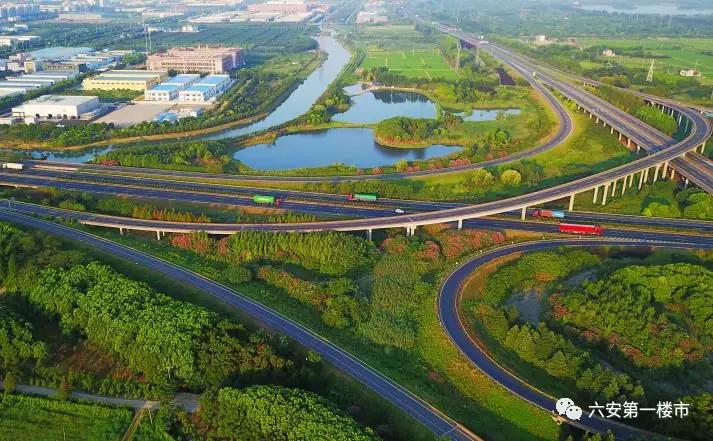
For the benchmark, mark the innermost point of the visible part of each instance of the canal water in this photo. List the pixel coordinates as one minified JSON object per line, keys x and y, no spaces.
{"x":302,"y":98}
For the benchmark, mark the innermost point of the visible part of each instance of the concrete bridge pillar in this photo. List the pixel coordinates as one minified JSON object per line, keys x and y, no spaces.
{"x":613,"y":187}
{"x":612,"y":131}
{"x":619,"y":137}
{"x":665,"y":170}
{"x":656,"y":172}
{"x":628,"y":143}
{"x":121,"y":231}
{"x":571,"y":202}
{"x":641,"y":179}
{"x":597,"y":120}
{"x":368,"y":234}
{"x":158,"y":234}
{"x":623,"y":185}
{"x":703,"y":147}
{"x":686,"y":183}
{"x":646,"y":175}
{"x":638,"y":148}
{"x":631,"y":180}
{"x":460,"y":224}
{"x":604,"y":196}
{"x":596,"y":191}
{"x":523,"y":213}
{"x":673,"y":173}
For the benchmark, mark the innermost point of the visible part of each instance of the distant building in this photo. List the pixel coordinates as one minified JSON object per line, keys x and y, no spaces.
{"x":124,"y":79}
{"x":168,"y":90}
{"x":212,"y":60}
{"x":14,"y":11}
{"x":15,"y":40}
{"x":57,"y":107}
{"x":280,"y":6}
{"x":540,"y":38}
{"x":204,"y":90}
{"x":608,"y":53}
{"x":690,"y":73}
{"x":365,"y":17}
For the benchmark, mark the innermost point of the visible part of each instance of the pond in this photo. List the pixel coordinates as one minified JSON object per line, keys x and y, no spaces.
{"x":654,"y":8}
{"x":302,"y":98}
{"x":487,"y":114}
{"x":349,"y":146}
{"x":372,"y":106}
{"x":73,"y":157}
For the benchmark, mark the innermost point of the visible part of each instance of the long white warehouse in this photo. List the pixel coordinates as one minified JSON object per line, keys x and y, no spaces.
{"x":56,"y":107}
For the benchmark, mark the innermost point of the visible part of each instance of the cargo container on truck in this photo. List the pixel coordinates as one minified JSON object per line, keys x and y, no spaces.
{"x":539,"y":212}
{"x":362,"y":197}
{"x":594,"y":230}
{"x":266,"y":200}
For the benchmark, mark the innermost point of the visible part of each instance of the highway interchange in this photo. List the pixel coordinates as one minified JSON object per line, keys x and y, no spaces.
{"x":661,"y":150}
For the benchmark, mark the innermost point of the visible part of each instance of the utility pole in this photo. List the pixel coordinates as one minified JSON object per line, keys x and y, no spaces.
{"x":146,"y":38}
{"x":650,"y":76}
{"x":458,"y":58}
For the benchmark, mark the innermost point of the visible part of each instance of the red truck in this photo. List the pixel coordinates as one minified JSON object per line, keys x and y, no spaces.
{"x":594,"y":230}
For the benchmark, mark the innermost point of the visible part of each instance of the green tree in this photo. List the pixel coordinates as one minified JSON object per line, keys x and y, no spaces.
{"x":510,"y":178}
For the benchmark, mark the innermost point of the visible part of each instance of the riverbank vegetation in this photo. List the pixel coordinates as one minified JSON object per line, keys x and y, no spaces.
{"x":612,"y":325}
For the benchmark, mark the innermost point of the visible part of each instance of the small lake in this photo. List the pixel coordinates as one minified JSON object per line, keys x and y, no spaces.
{"x":318,"y":149}
{"x":487,"y":114}
{"x":377,"y":105}
{"x":655,"y":8}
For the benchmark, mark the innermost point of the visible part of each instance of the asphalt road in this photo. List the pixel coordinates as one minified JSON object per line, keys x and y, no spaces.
{"x":437,"y":422}
{"x":298,"y":201}
{"x":449,"y":315}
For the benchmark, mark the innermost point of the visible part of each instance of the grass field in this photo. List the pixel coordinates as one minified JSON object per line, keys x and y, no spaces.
{"x":42,"y":419}
{"x":414,"y":63}
{"x":680,"y":53}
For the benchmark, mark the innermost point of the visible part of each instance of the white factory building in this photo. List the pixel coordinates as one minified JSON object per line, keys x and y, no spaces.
{"x":211,"y":86}
{"x":57,"y":107}
{"x":169,"y":89}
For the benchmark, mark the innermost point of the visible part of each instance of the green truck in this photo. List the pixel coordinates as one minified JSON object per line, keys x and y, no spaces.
{"x":362,"y":197}
{"x":261,"y":199}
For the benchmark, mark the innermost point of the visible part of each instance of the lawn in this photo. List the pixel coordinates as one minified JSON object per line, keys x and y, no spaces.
{"x":43,"y":419}
{"x":414,"y":63}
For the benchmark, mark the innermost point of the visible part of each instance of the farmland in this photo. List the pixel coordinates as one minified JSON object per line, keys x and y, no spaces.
{"x":672,"y":54}
{"x":35,"y":419}
{"x":413,"y":63}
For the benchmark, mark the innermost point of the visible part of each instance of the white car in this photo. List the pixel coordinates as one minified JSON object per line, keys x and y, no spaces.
{"x":399,"y":211}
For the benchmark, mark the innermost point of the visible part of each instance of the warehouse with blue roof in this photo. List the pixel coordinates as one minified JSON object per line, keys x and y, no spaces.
{"x":169,"y":89}
{"x":206,"y":89}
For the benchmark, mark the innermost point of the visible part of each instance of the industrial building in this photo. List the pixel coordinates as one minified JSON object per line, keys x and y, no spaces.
{"x":124,"y":79}
{"x":57,"y":107}
{"x":280,"y":6}
{"x":169,"y":89}
{"x":31,"y":81}
{"x":205,"y":90}
{"x":204,"y":59}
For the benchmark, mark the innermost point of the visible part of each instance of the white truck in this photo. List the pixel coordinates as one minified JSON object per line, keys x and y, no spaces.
{"x":12,"y":166}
